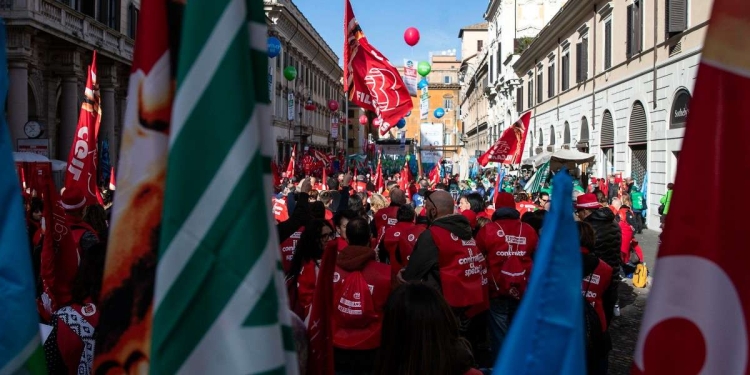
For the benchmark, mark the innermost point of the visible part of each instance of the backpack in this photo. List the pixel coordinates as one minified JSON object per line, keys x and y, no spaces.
{"x":595,"y":340}
{"x":637,"y":198}
{"x":354,"y":306}
{"x":640,"y":275}
{"x":661,"y":209}
{"x":513,"y":278}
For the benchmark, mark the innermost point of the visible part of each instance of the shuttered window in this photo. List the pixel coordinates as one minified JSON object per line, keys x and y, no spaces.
{"x":608,"y":130}
{"x":676,"y":11}
{"x":566,"y":72}
{"x":638,"y":162}
{"x":551,"y":81}
{"x":634,"y":43}
{"x":638,"y":127}
{"x":566,"y":134}
{"x":585,"y":129}
{"x":492,"y":69}
{"x":132,"y":20}
{"x":551,"y":135}
{"x":541,"y":137}
{"x":530,"y":93}
{"x":579,"y":57}
{"x":608,"y":44}
{"x":519,"y":99}
{"x":582,"y":60}
{"x":539,"y":88}
{"x":498,"y":59}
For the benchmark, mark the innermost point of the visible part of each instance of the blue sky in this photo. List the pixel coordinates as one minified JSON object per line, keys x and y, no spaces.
{"x":384,"y":23}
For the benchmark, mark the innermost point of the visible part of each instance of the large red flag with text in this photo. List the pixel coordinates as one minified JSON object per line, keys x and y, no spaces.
{"x":82,"y":159}
{"x":696,"y":321}
{"x":509,"y":147}
{"x":371,"y":81}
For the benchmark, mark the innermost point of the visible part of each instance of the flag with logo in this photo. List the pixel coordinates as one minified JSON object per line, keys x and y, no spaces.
{"x":82,"y":158}
{"x":547,"y":334}
{"x":434,"y":176}
{"x":410,"y":76}
{"x":538,"y":179}
{"x":509,"y":147}
{"x":696,"y":321}
{"x":371,"y":82}
{"x":220,"y":302}
{"x":126,"y":302}
{"x":20,"y":342}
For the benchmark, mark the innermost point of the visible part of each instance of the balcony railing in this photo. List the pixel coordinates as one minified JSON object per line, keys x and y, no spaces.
{"x":54,"y":15}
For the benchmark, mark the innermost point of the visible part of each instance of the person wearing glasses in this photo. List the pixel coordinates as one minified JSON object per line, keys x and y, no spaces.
{"x":447,"y":258}
{"x":542,"y":201}
{"x":303,"y":269}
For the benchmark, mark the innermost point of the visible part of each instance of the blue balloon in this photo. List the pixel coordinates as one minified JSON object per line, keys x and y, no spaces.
{"x":439,"y":113}
{"x":401,"y":123}
{"x":274,"y":46}
{"x":422,"y":84}
{"x":408,"y":114}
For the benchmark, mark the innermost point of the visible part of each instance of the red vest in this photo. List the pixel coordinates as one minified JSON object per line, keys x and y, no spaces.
{"x":593,"y":288}
{"x":502,"y":239}
{"x":360,"y":187}
{"x":406,"y":242}
{"x":524,"y":207}
{"x":461,"y":265}
{"x":385,"y":218}
{"x":306,"y":287}
{"x":279,"y":208}
{"x":287,"y":248}
{"x":340,"y":243}
{"x":391,"y":240}
{"x":378,"y":277}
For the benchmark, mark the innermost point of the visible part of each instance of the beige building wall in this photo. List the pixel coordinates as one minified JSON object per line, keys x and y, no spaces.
{"x":658,"y":78}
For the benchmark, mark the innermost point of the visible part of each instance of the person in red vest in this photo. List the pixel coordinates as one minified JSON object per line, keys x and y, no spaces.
{"x":524,"y":204}
{"x":392,"y":235}
{"x":387,"y":217}
{"x":407,"y":241}
{"x":303,"y":267}
{"x":361,"y":287}
{"x":446,"y":257}
{"x":509,"y":245}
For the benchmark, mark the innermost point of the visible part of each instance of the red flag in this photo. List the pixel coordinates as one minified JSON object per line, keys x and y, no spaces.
{"x":370,"y":80}
{"x":435,"y":174}
{"x":112,"y":184}
{"x":509,"y":147}
{"x":279,"y":208}
{"x":82,"y":159}
{"x":320,"y":332}
{"x":699,"y":308}
{"x":405,"y":177}
{"x":290,"y":166}
{"x":379,"y":183}
{"x":324,"y":179}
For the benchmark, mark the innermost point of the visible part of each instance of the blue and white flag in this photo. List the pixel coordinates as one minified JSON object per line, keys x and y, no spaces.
{"x":547,"y":334}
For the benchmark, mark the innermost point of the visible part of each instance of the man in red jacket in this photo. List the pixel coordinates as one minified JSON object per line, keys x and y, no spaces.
{"x":387,"y":217}
{"x":390,"y":241}
{"x":361,"y":287}
{"x":508,"y":244}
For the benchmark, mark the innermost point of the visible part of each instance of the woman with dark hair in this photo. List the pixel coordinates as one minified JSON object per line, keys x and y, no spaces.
{"x":69,"y":349}
{"x":416,"y":314}
{"x":303,"y":269}
{"x":96,"y":217}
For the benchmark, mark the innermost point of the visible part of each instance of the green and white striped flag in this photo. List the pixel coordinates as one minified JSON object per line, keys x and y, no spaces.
{"x":220,"y":302}
{"x":537,"y":180}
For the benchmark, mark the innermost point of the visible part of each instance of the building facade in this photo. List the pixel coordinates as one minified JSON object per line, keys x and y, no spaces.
{"x":49,"y":45}
{"x":622,"y":96}
{"x":301,"y":115}
{"x":473,"y":95}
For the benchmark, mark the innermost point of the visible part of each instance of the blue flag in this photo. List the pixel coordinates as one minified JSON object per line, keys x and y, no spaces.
{"x":20,"y":343}
{"x":644,"y":191}
{"x":547,"y":334}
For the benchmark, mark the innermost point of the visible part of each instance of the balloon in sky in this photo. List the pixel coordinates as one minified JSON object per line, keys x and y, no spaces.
{"x":401,"y":123}
{"x":290,"y":73}
{"x":274,"y":46}
{"x":362,"y":120}
{"x":439,"y":113}
{"x":422,"y":84}
{"x":411,"y":36}
{"x":423,"y":68}
{"x":333,"y":105}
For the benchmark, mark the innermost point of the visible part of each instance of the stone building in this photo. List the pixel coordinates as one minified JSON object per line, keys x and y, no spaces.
{"x":614,"y":79}
{"x":318,"y":81}
{"x":473,"y":96}
{"x":49,"y":46}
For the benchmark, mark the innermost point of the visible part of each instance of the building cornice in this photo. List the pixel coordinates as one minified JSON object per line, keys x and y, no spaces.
{"x":568,"y":18}
{"x":492,"y":9}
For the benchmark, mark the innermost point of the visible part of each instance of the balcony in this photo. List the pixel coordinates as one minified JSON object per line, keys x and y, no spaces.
{"x":64,"y":22}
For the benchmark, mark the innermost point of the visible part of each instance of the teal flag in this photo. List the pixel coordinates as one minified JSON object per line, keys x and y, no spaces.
{"x":220,"y":301}
{"x":20,"y":343}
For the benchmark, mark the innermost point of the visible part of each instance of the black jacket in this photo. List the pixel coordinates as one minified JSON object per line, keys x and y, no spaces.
{"x":607,"y":248}
{"x":300,"y":216}
{"x":423,"y":263}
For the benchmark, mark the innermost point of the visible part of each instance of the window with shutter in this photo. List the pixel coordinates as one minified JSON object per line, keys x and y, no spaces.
{"x":551,"y":81}
{"x":539,"y":88}
{"x":579,"y":60}
{"x":629,"y":31}
{"x":519,"y":99}
{"x":132,"y":20}
{"x":676,"y":16}
{"x":480,"y":44}
{"x":638,"y":26}
{"x":585,"y":61}
{"x":492,"y":69}
{"x":498,"y":58}
{"x":566,"y":72}
{"x":608,"y":44}
{"x":531,"y":93}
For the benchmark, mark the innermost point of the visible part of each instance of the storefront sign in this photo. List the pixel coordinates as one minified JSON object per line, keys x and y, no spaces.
{"x":34,"y":146}
{"x":680,"y":110}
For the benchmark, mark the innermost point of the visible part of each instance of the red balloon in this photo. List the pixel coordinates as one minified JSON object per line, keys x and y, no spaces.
{"x":411,"y":36}
{"x":362,"y":120}
{"x":333,"y":105}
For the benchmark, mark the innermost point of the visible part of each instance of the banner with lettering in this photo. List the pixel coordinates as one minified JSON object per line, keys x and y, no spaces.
{"x":82,"y":159}
{"x":424,"y":103}
{"x":410,"y":76}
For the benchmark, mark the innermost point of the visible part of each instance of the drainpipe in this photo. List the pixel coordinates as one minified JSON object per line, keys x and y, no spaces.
{"x":559,"y":78}
{"x":656,"y":9}
{"x":593,"y":73}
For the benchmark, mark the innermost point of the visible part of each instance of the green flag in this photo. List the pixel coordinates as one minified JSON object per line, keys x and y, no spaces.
{"x":220,"y":302}
{"x":537,"y":180}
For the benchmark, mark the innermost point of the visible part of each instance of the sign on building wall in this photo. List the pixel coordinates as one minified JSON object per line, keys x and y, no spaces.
{"x":290,"y":106}
{"x":680,"y":110}
{"x":34,"y":146}
{"x":424,"y":104}
{"x":431,"y":142}
{"x":410,"y":76}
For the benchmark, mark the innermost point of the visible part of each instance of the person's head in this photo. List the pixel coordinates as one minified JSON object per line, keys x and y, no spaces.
{"x":586,"y":204}
{"x":313,"y":180}
{"x":471,"y":201}
{"x":601,"y":197}
{"x":96,"y":216}
{"x":398,"y":197}
{"x":482,"y":221}
{"x":340,"y":177}
{"x":356,"y":205}
{"x":438,"y":203}
{"x":586,"y":234}
{"x":424,"y":184}
{"x":358,"y":232}
{"x":616,"y":203}
{"x":36,"y":209}
{"x":312,"y":195}
{"x":543,"y":198}
{"x":326,"y":197}
{"x":534,"y":219}
{"x":416,"y":314}
{"x":406,"y":214}
{"x":378,"y":202}
{"x":333,"y":184}
{"x":626,"y":201}
{"x":390,"y":184}
{"x":310,"y":245}
{"x":441,"y":186}
{"x":341,"y":219}
{"x":73,"y":201}
{"x":318,"y":210}
{"x":611,"y":179}
{"x":670,"y":186}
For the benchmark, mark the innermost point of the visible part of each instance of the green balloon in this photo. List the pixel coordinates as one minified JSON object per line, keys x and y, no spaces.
{"x":423,"y":68}
{"x":290,"y":73}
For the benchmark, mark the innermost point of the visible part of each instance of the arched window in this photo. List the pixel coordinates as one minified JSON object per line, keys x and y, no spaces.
{"x":551,"y":135}
{"x":566,"y":134}
{"x":541,"y":137}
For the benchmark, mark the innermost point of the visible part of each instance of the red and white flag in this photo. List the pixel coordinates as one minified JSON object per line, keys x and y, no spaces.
{"x":290,"y":166}
{"x":406,"y":177}
{"x":696,"y":321}
{"x":434,"y":176}
{"x":379,"y":183}
{"x":371,"y":81}
{"x":509,"y":147}
{"x":82,"y":159}
{"x":112,"y":183}
{"x":320,"y":157}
